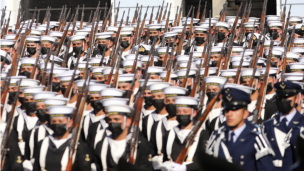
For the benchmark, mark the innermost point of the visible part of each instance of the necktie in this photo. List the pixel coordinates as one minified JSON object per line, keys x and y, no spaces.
{"x":231,"y":138}
{"x":283,"y":124}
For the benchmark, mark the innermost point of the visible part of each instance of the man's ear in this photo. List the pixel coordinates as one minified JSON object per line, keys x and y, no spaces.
{"x":194,"y":113}
{"x":246,"y":114}
{"x":128,"y":122}
{"x":71,"y":123}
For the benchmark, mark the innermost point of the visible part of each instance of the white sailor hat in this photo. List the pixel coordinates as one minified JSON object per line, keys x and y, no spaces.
{"x":237,"y":49}
{"x":82,"y":66}
{"x":66,"y":78}
{"x":230,"y":17}
{"x":27,"y":61}
{"x":216,"y":50}
{"x":29,"y":91}
{"x":61,"y":111}
{"x":104,"y":34}
{"x":32,"y":39}
{"x":182,"y":58}
{"x":250,"y":25}
{"x":198,"y":62}
{"x":111,"y":93}
{"x":173,"y":91}
{"x":82,"y":33}
{"x":107,"y":71}
{"x":296,"y":67}
{"x":124,"y":110}
{"x":6,"y":43}
{"x":126,"y":33}
{"x":272,"y":71}
{"x":197,"y":55}
{"x":56,"y":34}
{"x":267,"y":43}
{"x":301,"y":60}
{"x":170,"y":35}
{"x":127,"y":28}
{"x":215,"y":81}
{"x":299,"y":41}
{"x":98,"y":70}
{"x":55,"y":101}
{"x":292,"y":56}
{"x":211,"y":71}
{"x":79,"y":83}
{"x":182,"y":101}
{"x":222,"y":25}
{"x":200,"y":29}
{"x":294,"y":76}
{"x":132,"y":57}
{"x":145,"y":59}
{"x":275,"y":25}
{"x":295,"y":19}
{"x":125,"y":78}
{"x":298,"y":50}
{"x":154,"y":27}
{"x":42,"y":28}
{"x":206,"y":24}
{"x":182,"y":73}
{"x":9,"y":36}
{"x":273,"y":17}
{"x":230,"y":21}
{"x":94,"y":62}
{"x":58,"y":70}
{"x":236,"y":64}
{"x":112,"y":29}
{"x":164,"y":74}
{"x":247,"y":73}
{"x":275,"y":53}
{"x":3,"y":75}
{"x":149,"y":82}
{"x":228,"y":73}
{"x":262,"y":62}
{"x":239,"y":58}
{"x":279,"y":48}
{"x":163,"y":50}
{"x":142,"y":48}
{"x":177,"y":29}
{"x":76,"y":38}
{"x":16,"y":79}
{"x":5,"y":57}
{"x":35,"y":33}
{"x":274,"y":21}
{"x":68,"y":73}
{"x":155,"y":70}
{"x":158,"y":87}
{"x":246,"y":89}
{"x":184,"y":65}
{"x":40,"y":96}
{"x":195,"y":20}
{"x":129,"y":64}
{"x":104,"y":37}
{"x":114,"y":101}
{"x":96,"y":88}
{"x":47,"y":39}
{"x":26,"y":82}
{"x":247,"y":52}
{"x":252,"y":19}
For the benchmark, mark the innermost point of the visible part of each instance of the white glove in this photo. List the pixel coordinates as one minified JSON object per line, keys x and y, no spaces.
{"x":27,"y":165}
{"x":178,"y":167}
{"x":166,"y":166}
{"x":93,"y":167}
{"x":157,"y":161}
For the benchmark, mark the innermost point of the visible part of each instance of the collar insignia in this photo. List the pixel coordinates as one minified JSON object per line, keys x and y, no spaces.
{"x":242,"y":140}
{"x":283,"y":85}
{"x":295,"y":122}
{"x":227,"y":90}
{"x":141,"y":49}
{"x":87,"y":158}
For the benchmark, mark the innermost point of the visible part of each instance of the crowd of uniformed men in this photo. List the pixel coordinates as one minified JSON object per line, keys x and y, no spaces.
{"x":63,"y":106}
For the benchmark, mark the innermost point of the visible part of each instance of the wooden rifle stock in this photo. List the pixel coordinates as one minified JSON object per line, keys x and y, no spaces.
{"x":291,"y":39}
{"x":135,"y":14}
{"x":161,"y":12}
{"x":164,"y":16}
{"x":82,"y":15}
{"x":204,"y":13}
{"x":286,"y":28}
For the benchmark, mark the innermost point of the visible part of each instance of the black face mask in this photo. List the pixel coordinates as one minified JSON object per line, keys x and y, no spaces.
{"x":97,"y":105}
{"x":144,"y":53}
{"x":45,"y":50}
{"x":284,"y":105}
{"x":183,"y":120}
{"x":288,"y":69}
{"x":103,"y":47}
{"x":77,"y":50}
{"x":221,"y":36}
{"x":42,"y":116}
{"x":269,"y":88}
{"x":63,"y":90}
{"x":116,"y":129}
{"x":171,"y":44}
{"x":200,"y":40}
{"x":274,"y":35}
{"x":56,"y":87}
{"x":59,"y":129}
{"x":11,"y":96}
{"x":152,"y":38}
{"x":30,"y":107}
{"x":56,"y":44}
{"x":158,"y":104}
{"x":213,"y":63}
{"x":26,"y":73}
{"x":100,"y":82}
{"x":66,"y":39}
{"x":125,"y":94}
{"x":210,"y":96}
{"x":246,"y":34}
{"x":158,"y":63}
{"x":148,"y":101}
{"x":125,"y":44}
{"x":88,"y":100}
{"x":80,"y":78}
{"x":189,"y":89}
{"x":273,"y":64}
{"x":171,"y":109}
{"x":21,"y":100}
{"x":31,"y":50}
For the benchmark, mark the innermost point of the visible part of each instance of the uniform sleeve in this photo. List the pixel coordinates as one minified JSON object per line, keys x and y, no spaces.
{"x":144,"y":153}
{"x":153,"y":138}
{"x":37,"y":156}
{"x":264,"y":154}
{"x":270,"y":109}
{"x":83,"y":158}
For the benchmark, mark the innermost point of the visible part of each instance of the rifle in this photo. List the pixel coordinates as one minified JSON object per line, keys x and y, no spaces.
{"x":254,"y":61}
{"x":2,"y":16}
{"x":176,"y":15}
{"x":258,"y":109}
{"x":169,"y":66}
{"x":167,"y":25}
{"x":127,"y":21}
{"x":137,"y":29}
{"x":180,"y":46}
{"x":142,"y":27}
{"x":46,"y":14}
{"x":116,"y":17}
{"x":248,"y":11}
{"x":223,"y":13}
{"x":151,"y":16}
{"x":90,"y":17}
{"x":198,"y":9}
{"x":104,"y":24}
{"x":135,"y":14}
{"x":291,"y":39}
{"x":251,"y":37}
{"x":48,"y":25}
{"x":37,"y":20}
{"x":263,"y":15}
{"x":4,"y":90}
{"x":51,"y":74}
{"x":179,"y":14}
{"x":58,"y":48}
{"x":284,"y":64}
{"x":157,"y":12}
{"x":61,"y":12}
{"x":164,"y":16}
{"x":192,"y":134}
{"x":286,"y":28}
{"x":161,"y":12}
{"x":18,"y":17}
{"x":9,"y":127}
{"x":244,"y":15}
{"x":33,"y":74}
{"x":283,"y":15}
{"x":204,"y":13}
{"x":220,"y":63}
{"x":110,"y":18}
{"x":115,"y":81}
{"x":238,"y":73}
{"x":7,"y":25}
{"x":191,"y":30}
{"x":82,"y":15}
{"x":184,"y":83}
{"x":62,"y":18}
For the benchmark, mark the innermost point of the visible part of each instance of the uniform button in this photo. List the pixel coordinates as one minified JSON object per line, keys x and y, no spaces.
{"x":272,"y":139}
{"x":224,"y":139}
{"x":242,"y":163}
{"x":242,"y":156}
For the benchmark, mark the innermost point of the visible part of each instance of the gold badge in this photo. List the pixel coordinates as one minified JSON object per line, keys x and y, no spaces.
{"x":229,"y":97}
{"x":254,"y":37}
{"x":150,"y":158}
{"x":227,"y":90}
{"x":283,"y":85}
{"x":141,"y":49}
{"x":295,"y":122}
{"x":19,"y":159}
{"x":302,"y":28}
{"x":87,"y":158}
{"x":242,"y":140}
